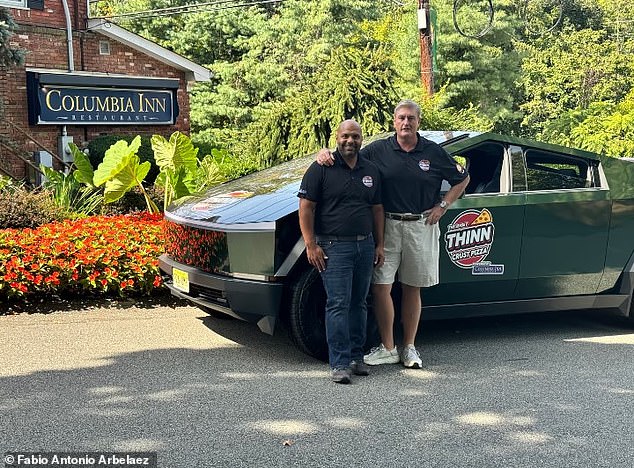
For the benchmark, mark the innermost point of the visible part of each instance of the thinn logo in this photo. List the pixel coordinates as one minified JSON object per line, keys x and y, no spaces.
{"x":469,"y":237}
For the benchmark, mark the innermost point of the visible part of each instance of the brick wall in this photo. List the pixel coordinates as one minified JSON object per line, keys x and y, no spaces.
{"x":53,"y":14}
{"x":46,"y":48}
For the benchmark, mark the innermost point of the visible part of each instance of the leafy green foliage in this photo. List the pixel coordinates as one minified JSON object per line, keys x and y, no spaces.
{"x":133,"y":201}
{"x":121,"y":170}
{"x":98,"y":146}
{"x":602,"y":127}
{"x":5,"y":182}
{"x":481,"y":72}
{"x":74,"y":193}
{"x":580,"y":68}
{"x":70,"y":196}
{"x":260,"y":56}
{"x":397,"y":33}
{"x":9,"y":56}
{"x":176,"y":159}
{"x":84,"y":172}
{"x":181,"y":172}
{"x":270,"y":98}
{"x":230,"y":165}
{"x":209,"y":173}
{"x":174,"y":153}
{"x":353,"y":84}
{"x":578,"y":84}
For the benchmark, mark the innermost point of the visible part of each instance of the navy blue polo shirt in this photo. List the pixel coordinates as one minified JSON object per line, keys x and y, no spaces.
{"x":411,"y":180}
{"x":344,"y":196}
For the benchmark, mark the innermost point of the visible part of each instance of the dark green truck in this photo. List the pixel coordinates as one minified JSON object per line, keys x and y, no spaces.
{"x":540,"y":228}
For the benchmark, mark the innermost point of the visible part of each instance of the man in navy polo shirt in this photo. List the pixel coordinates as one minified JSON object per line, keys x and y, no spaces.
{"x":342,"y":221}
{"x":412,"y":169}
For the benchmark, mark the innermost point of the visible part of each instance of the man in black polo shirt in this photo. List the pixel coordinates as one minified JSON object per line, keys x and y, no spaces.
{"x":412,"y":170}
{"x":339,"y":210}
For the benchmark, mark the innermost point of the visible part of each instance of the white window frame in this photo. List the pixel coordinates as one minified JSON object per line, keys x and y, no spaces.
{"x":13,"y":3}
{"x":104,"y":48}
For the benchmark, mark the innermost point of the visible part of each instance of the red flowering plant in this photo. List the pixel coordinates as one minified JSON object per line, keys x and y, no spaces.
{"x":93,"y":255}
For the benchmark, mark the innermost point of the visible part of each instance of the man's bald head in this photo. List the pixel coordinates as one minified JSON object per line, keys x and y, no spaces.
{"x":349,"y":138}
{"x":348,"y":124}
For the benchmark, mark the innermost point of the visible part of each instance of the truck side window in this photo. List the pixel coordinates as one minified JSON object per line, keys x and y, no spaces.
{"x":552,"y":171}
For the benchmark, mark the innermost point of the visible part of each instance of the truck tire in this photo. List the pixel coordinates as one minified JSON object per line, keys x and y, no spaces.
{"x":306,"y":315}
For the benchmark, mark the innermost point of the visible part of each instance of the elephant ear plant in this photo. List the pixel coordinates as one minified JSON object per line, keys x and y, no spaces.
{"x":181,"y":172}
{"x":177,"y":160}
{"x":121,"y":170}
{"x":84,"y":173}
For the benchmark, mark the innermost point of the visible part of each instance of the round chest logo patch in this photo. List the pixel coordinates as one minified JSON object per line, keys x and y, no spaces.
{"x":424,"y":164}
{"x":469,"y":237}
{"x":367,"y":181}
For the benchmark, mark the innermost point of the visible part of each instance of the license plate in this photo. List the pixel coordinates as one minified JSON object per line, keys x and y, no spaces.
{"x":180,"y":279}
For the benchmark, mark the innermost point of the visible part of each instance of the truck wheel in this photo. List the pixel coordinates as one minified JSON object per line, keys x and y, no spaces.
{"x":306,"y":316}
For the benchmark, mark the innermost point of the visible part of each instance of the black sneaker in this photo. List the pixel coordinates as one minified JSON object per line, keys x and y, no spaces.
{"x":341,"y":375}
{"x":360,"y":368}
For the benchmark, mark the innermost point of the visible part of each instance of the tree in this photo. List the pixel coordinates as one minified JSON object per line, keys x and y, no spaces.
{"x":286,"y":75}
{"x":602,"y":127}
{"x":480,"y":71}
{"x":484,"y":71}
{"x":572,"y":72}
{"x":258,"y":55}
{"x":354,"y":83}
{"x":579,"y":85}
{"x":9,"y":56}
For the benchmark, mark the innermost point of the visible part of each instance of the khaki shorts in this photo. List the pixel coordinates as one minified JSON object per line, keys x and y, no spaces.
{"x":412,"y":249}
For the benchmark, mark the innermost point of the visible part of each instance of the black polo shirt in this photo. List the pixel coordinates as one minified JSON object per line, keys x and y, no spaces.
{"x":344,"y":196}
{"x":411,"y":180}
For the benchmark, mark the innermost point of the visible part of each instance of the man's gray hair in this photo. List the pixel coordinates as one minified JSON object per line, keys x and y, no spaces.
{"x":409,"y":104}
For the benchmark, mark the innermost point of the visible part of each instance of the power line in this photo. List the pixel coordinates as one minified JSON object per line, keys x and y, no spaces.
{"x":458,"y":4}
{"x":191,"y":8}
{"x":552,"y":10}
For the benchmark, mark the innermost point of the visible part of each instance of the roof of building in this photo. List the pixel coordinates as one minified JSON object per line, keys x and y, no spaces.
{"x":193,"y":71}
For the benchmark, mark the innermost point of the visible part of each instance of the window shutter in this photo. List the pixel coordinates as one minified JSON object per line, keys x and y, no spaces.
{"x":35,"y":4}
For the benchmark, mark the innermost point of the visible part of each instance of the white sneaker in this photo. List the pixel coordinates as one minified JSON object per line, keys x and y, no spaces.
{"x":410,"y":357}
{"x":381,"y":355}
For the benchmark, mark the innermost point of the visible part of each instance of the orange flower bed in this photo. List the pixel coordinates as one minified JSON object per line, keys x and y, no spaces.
{"x":95,"y":255}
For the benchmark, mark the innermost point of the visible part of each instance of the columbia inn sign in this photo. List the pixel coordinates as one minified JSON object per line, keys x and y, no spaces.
{"x":61,"y":99}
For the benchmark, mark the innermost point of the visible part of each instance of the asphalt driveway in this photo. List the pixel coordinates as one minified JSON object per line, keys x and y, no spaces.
{"x":553,"y":390}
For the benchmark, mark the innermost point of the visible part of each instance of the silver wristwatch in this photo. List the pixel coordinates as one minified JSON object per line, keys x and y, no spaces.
{"x":444,"y":204}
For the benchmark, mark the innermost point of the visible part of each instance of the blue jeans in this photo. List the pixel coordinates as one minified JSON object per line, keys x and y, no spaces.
{"x":347,"y":281}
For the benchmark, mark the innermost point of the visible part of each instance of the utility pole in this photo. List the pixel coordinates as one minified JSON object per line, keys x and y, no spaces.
{"x":426,"y":59}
